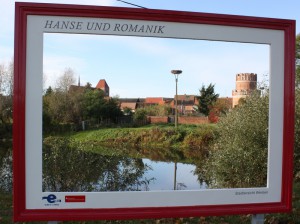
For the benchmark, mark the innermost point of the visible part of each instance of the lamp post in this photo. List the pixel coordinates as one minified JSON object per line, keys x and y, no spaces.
{"x":176,"y":74}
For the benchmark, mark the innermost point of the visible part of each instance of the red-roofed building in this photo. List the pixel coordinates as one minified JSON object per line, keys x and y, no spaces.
{"x":103,"y":85}
{"x":130,"y":105}
{"x":156,"y":100}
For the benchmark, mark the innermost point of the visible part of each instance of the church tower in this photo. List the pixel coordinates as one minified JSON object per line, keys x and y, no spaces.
{"x":245,"y":84}
{"x":103,"y":85}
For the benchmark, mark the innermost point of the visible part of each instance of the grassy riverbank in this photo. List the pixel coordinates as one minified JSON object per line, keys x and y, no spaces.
{"x":190,"y":136}
{"x":186,"y":144}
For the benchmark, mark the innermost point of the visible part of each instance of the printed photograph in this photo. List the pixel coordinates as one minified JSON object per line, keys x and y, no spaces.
{"x":126,"y":113}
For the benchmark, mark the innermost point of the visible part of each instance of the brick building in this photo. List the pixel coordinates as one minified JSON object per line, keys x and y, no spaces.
{"x":102,"y":84}
{"x":245,"y":84}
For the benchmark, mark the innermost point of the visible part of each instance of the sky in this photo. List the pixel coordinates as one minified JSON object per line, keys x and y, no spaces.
{"x":140,"y":66}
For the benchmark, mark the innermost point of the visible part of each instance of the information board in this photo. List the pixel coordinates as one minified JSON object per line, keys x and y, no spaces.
{"x":34,"y":22}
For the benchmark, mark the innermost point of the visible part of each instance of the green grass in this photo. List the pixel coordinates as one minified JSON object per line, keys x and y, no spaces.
{"x":186,"y":144}
{"x":149,"y":136}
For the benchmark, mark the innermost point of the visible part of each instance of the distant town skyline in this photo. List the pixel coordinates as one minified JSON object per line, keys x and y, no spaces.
{"x":141,"y":66}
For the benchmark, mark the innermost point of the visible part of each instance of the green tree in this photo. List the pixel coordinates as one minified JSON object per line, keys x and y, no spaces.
{"x":127,"y":111}
{"x":93,"y":104}
{"x":49,"y":91}
{"x":59,"y":104}
{"x":65,"y":105}
{"x":62,"y":107}
{"x":111,"y":109}
{"x":157,"y":110}
{"x":140,"y":115}
{"x":239,"y":156}
{"x":97,"y":107}
{"x":207,"y":98}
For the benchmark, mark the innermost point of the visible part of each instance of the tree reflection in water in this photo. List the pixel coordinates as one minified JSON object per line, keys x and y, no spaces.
{"x":67,"y":167}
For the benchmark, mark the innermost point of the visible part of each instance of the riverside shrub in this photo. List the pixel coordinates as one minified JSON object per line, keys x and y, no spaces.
{"x":239,"y":155}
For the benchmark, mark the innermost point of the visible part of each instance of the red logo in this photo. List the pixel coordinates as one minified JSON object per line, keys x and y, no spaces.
{"x":74,"y":198}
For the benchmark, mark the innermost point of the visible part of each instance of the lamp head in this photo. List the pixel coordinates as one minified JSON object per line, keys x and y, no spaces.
{"x":176,"y":72}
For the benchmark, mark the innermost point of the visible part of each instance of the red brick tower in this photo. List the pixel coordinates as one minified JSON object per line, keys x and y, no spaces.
{"x":245,"y":84}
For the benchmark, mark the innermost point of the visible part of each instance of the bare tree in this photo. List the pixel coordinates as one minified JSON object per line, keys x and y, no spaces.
{"x":2,"y":78}
{"x":65,"y":80}
{"x":6,"y":79}
{"x":6,"y":93}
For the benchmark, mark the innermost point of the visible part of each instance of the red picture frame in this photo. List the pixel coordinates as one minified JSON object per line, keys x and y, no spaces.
{"x":21,"y":210}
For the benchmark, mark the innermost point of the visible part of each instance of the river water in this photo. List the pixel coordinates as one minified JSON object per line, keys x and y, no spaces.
{"x":84,"y":171}
{"x":164,"y":173}
{"x":72,"y":170}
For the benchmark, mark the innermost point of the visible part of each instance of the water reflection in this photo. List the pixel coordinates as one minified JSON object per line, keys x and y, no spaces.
{"x":67,"y":167}
{"x":186,"y":179}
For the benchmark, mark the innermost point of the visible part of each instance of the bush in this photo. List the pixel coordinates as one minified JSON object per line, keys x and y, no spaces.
{"x":198,"y":142}
{"x":239,"y":156}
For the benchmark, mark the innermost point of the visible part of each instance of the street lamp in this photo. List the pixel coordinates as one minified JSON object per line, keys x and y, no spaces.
{"x":176,"y":74}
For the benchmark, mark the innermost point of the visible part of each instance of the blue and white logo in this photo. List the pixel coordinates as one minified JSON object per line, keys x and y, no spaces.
{"x":51,"y":198}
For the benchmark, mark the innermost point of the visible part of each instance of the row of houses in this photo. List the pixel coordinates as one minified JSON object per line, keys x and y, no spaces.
{"x":187,"y":104}
{"x":245,"y":84}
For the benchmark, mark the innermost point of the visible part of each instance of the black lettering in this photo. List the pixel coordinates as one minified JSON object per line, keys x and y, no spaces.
{"x":106,"y":26}
{"x":117,"y":27}
{"x":65,"y":25}
{"x":48,"y":24}
{"x":72,"y":26}
{"x":98,"y":26}
{"x":56,"y":26}
{"x":124,"y":27}
{"x":79,"y":26}
{"x":141,"y":29}
{"x":149,"y":29}
{"x":160,"y":29}
{"x":132,"y":28}
{"x":90,"y":27}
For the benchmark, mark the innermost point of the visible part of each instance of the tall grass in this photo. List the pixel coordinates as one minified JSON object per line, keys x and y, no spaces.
{"x":151,"y":136}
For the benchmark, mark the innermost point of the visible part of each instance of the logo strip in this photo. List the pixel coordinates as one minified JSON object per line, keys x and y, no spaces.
{"x":74,"y":198}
